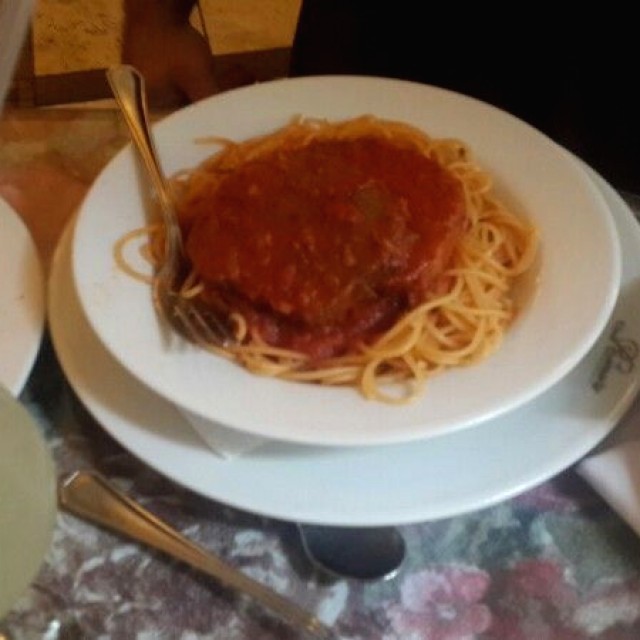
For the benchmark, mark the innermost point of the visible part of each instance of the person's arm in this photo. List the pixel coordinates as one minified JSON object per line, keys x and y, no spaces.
{"x":172,"y":55}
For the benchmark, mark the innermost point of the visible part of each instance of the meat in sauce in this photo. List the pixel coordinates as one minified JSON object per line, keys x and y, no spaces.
{"x":324,"y":246}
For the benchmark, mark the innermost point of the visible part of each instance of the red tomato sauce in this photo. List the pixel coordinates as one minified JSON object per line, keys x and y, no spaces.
{"x":324,"y":246}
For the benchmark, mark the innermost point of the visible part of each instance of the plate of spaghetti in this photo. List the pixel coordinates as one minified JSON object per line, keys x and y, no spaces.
{"x":397,"y":261}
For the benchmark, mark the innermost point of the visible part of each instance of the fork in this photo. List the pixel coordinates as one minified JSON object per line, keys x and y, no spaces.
{"x":189,"y":318}
{"x":91,"y":496}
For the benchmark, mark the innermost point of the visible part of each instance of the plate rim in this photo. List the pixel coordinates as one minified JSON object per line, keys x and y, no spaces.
{"x":29,"y":316}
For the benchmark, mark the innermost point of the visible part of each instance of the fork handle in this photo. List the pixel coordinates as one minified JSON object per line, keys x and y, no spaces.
{"x":128,"y":87}
{"x":92,"y":497}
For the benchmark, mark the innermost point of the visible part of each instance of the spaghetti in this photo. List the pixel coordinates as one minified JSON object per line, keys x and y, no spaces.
{"x":360,"y":253}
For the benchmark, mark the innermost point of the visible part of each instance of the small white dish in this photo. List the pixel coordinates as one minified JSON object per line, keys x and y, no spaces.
{"x":425,"y":480}
{"x":22,"y":300}
{"x":27,"y":500}
{"x":571,"y":305}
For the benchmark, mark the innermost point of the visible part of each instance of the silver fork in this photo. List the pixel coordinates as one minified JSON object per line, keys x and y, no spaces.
{"x":198,"y":324}
{"x":91,"y":496}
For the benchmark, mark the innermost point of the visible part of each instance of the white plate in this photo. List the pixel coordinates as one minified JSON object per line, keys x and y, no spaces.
{"x":27,"y":500}
{"x":395,"y":484}
{"x":539,"y":350}
{"x":22,"y":304}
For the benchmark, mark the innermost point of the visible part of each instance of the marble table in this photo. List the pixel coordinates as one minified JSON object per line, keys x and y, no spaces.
{"x":553,"y":563}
